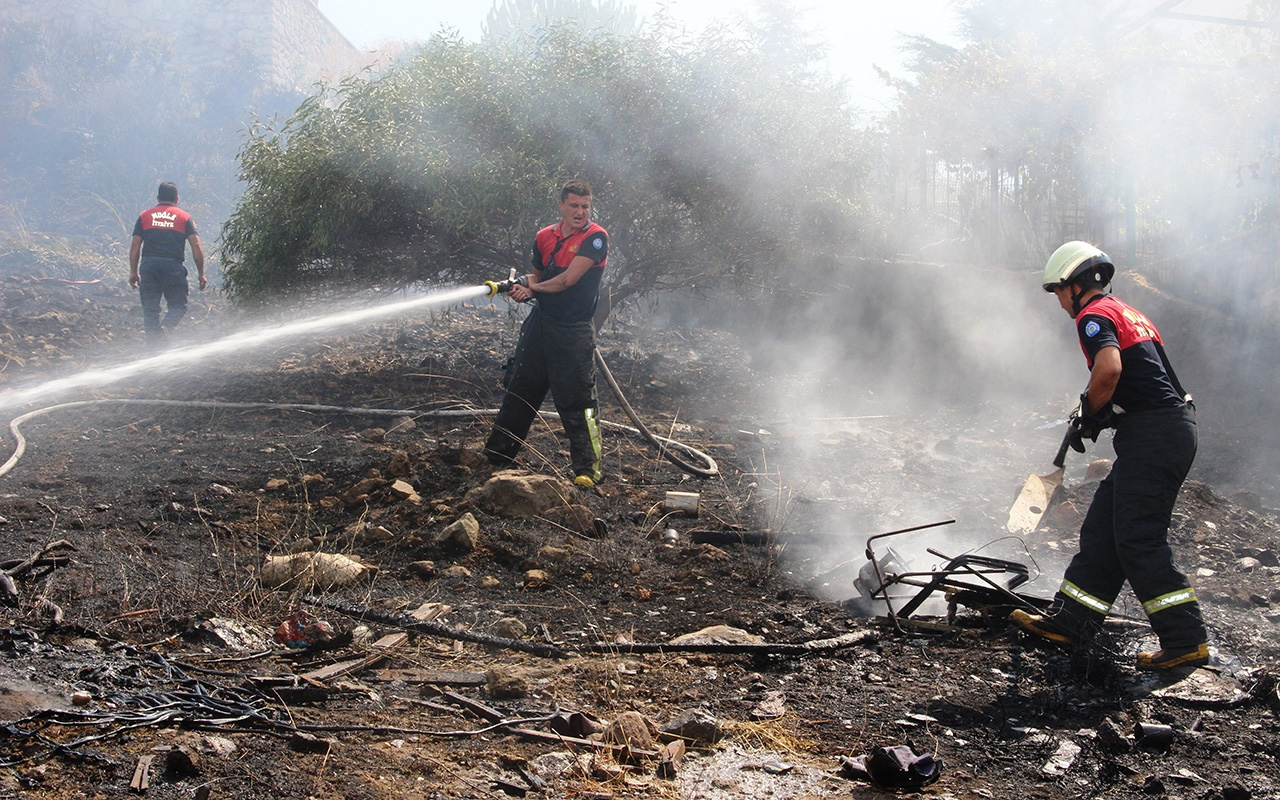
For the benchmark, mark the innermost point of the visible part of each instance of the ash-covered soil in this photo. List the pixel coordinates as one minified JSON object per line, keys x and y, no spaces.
{"x":141,"y":643}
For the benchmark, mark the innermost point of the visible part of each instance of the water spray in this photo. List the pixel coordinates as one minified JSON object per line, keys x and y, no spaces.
{"x":254,"y":337}
{"x":95,"y":378}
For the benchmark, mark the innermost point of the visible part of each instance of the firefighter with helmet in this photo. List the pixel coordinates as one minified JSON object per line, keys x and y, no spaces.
{"x":1132,"y":388}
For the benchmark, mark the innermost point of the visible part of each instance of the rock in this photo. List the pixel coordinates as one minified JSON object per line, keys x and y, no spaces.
{"x":377,"y":534}
{"x":670,"y":758}
{"x":182,"y":762}
{"x":718,"y":634}
{"x":489,"y":582}
{"x":509,"y":628}
{"x":219,"y":746}
{"x":1267,"y":558}
{"x":277,"y":484}
{"x":373,"y":435}
{"x":312,"y":479}
{"x":400,"y":466}
{"x":632,"y":731}
{"x":359,"y":493}
{"x":575,"y":517}
{"x":1248,"y":564}
{"x":773,"y":706}
{"x":536,"y":577}
{"x":548,"y":554}
{"x":506,"y":685}
{"x":463,"y":533}
{"x":1247,"y":499}
{"x":322,"y":570}
{"x":1204,"y":687}
{"x":709,"y":552}
{"x":514,"y":493}
{"x":554,"y":765}
{"x":306,"y":743}
{"x":1112,"y":739}
{"x":403,"y":490}
{"x":696,"y":725}
{"x":402,"y":425}
{"x":1098,"y":469}
{"x":423,"y":569}
{"x":456,"y":571}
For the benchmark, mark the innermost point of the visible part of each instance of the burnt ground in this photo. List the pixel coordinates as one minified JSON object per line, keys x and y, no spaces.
{"x":143,"y":627}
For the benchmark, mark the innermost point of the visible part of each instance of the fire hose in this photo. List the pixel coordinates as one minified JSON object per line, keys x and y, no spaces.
{"x":701,"y":464}
{"x":667,"y":445}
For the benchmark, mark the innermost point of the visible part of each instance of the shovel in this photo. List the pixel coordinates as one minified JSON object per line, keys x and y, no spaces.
{"x":1037,"y":493}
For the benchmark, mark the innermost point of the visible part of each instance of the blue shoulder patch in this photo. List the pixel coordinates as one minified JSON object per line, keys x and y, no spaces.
{"x":597,"y":243}
{"x":1091,"y":329}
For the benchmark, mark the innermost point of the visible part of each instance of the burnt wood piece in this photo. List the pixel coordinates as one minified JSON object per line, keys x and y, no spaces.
{"x":432,"y":627}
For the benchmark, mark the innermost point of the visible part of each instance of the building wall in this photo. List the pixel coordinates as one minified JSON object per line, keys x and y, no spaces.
{"x":283,"y":45}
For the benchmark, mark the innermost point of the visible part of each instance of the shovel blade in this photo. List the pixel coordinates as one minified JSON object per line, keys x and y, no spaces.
{"x":1033,"y":501}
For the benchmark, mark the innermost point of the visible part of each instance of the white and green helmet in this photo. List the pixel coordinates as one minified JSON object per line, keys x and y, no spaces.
{"x":1075,"y":260}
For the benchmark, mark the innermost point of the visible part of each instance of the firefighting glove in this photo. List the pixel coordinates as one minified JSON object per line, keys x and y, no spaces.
{"x":1087,"y":426}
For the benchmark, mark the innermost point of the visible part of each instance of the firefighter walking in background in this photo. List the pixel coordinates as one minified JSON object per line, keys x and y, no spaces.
{"x":156,"y":252}
{"x":1133,"y":388}
{"x":557,"y":341}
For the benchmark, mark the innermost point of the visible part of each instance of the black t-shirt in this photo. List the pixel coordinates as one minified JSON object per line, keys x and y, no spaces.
{"x":1144,"y":382}
{"x":553,"y":253}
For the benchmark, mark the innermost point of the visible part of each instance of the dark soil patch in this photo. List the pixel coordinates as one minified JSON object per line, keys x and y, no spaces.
{"x":170,"y":510}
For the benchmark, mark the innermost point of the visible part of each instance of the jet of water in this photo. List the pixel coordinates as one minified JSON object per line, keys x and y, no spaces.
{"x":242,"y":340}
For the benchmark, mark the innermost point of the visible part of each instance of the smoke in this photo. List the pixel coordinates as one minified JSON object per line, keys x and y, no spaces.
{"x":928,"y":390}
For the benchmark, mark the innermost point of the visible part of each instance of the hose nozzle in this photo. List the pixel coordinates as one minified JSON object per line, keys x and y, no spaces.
{"x":493,"y":288}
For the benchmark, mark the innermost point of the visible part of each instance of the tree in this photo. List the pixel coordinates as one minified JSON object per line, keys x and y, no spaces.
{"x":1149,"y":124}
{"x":710,"y":167}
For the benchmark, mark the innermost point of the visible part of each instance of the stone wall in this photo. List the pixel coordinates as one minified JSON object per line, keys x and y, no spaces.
{"x":279,"y":45}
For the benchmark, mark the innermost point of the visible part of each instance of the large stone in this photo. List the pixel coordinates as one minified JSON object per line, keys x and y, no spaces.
{"x":400,"y":466}
{"x":515,"y":493}
{"x":463,"y":533}
{"x":505,"y":685}
{"x":536,"y":578}
{"x":403,"y":490}
{"x":718,"y":634}
{"x":696,"y":725}
{"x":575,"y":517}
{"x":631,"y":730}
{"x":307,"y":569}
{"x":510,"y":628}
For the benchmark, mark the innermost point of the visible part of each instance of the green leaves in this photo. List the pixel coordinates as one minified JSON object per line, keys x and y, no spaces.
{"x":705,"y":158}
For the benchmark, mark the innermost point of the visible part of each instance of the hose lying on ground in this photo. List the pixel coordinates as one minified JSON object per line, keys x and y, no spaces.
{"x":664,"y":445}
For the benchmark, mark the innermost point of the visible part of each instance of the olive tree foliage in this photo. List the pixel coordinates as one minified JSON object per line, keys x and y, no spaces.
{"x":1099,"y":101}
{"x":709,"y":167}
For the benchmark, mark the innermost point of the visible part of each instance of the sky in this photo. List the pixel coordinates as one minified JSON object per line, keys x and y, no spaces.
{"x":859,"y":34}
